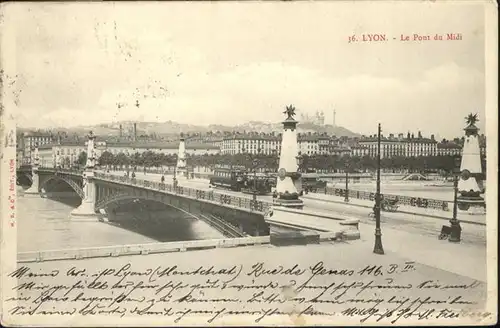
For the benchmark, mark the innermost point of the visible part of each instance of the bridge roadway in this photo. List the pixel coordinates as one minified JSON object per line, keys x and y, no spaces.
{"x":472,"y":234}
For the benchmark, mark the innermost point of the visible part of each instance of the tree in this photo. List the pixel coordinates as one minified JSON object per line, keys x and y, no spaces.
{"x":148,"y":158}
{"x":82,"y":158}
{"x":121,"y":160}
{"x":107,"y":158}
{"x":367,"y":162}
{"x":136,"y":159}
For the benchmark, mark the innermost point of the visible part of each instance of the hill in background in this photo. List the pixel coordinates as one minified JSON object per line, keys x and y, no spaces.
{"x":169,"y":128}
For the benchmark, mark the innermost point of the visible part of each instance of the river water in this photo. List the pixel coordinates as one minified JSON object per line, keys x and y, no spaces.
{"x":46,"y":224}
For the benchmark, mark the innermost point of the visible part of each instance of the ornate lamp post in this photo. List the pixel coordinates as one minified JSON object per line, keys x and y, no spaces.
{"x":378,"y":249}
{"x":346,"y":198}
{"x":255,"y":163}
{"x":456,"y":229}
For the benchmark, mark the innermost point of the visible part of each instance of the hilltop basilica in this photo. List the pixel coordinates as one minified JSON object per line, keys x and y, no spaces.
{"x":318,"y":118}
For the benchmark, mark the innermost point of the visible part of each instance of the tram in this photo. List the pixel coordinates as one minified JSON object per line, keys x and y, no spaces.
{"x":228,"y":177}
{"x":238,"y":178}
{"x":310,"y":182}
{"x":259,"y":183}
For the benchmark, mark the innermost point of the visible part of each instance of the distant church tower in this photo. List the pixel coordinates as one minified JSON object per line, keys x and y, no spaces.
{"x":322,"y":118}
{"x":334,"y":114}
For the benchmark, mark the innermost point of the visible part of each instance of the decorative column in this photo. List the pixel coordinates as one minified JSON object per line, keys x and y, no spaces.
{"x":35,"y":161}
{"x":58,"y":157}
{"x":87,"y":207}
{"x":181,"y":171}
{"x":288,"y":175}
{"x":470,"y":185}
{"x":54,"y":157}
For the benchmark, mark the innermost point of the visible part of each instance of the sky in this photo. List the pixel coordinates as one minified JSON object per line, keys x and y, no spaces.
{"x":229,"y":63}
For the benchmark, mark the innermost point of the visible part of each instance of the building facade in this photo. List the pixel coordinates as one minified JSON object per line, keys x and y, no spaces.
{"x":454,"y":147}
{"x":270,"y":144}
{"x":167,"y":148}
{"x":30,"y":140}
{"x":66,"y":153}
{"x":255,"y":143}
{"x":449,"y":149}
{"x":392,"y":146}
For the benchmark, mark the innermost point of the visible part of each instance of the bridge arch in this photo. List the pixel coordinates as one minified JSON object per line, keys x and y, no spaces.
{"x":237,"y":222}
{"x":68,"y":181}
{"x":124,"y":195}
{"x":215,"y":222}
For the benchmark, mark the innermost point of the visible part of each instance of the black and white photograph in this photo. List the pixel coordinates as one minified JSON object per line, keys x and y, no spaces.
{"x":248,"y":163}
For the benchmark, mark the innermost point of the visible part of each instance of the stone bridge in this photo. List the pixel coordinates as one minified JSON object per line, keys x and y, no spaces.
{"x":48,"y":178}
{"x":100,"y":191}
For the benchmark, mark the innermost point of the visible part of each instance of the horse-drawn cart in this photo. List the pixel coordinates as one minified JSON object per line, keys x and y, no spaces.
{"x":386,"y":205}
{"x":389,"y":205}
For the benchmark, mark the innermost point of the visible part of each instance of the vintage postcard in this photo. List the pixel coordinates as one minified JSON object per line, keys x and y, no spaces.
{"x":248,"y":163}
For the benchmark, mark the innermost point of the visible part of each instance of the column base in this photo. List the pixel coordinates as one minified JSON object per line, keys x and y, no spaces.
{"x":290,"y":203}
{"x":85,"y":211}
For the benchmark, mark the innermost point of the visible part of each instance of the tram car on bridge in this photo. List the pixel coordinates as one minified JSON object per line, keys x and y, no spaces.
{"x":257,"y":182}
{"x":310,"y":182}
{"x":228,"y":177}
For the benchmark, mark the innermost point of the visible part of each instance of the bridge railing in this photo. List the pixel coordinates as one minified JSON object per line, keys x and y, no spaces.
{"x":210,"y":195}
{"x":402,"y":200}
{"x":61,"y":170}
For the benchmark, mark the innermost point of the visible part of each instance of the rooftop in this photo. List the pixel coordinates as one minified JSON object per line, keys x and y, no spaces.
{"x":36,"y":134}
{"x":159,"y":145}
{"x":448,"y":145}
{"x":249,"y":136}
{"x":405,"y":140}
{"x":135,"y":145}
